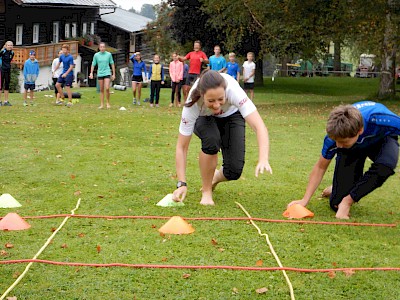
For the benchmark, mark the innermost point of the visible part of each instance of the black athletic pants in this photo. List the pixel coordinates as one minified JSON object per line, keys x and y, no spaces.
{"x":5,"y":79}
{"x":175,"y":86}
{"x":155,"y":91}
{"x":227,"y":134}
{"x":349,"y":179}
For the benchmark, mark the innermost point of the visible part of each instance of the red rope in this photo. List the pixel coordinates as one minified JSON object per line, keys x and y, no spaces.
{"x":235,"y":268}
{"x":211,"y":219}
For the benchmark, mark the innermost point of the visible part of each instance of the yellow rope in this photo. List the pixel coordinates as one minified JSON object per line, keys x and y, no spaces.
{"x":20,"y":277}
{"x":272,"y":250}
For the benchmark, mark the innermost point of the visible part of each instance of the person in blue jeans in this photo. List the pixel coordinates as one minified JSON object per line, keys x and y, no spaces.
{"x":355,"y":132}
{"x":139,"y":66}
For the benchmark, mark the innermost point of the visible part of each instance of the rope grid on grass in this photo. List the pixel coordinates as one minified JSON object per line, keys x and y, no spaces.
{"x":289,"y":283}
{"x":20,"y":277}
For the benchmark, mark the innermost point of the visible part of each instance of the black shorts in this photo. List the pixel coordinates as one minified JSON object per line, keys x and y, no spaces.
{"x":248,"y":86}
{"x":104,"y":77}
{"x":191,"y":79}
{"x":137,"y":78}
{"x":66,"y":81}
{"x":29,"y":86}
{"x":227,"y":134}
{"x":5,"y":79}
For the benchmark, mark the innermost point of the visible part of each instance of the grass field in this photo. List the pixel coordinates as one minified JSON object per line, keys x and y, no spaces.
{"x":122,"y":163}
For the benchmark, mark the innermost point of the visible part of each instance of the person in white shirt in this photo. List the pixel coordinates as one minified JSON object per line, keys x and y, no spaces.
{"x":249,"y":69}
{"x":56,"y":73}
{"x":216,"y":111}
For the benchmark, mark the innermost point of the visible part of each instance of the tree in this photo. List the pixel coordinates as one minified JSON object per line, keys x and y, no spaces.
{"x":159,"y":33}
{"x":132,"y":10}
{"x":148,"y":11}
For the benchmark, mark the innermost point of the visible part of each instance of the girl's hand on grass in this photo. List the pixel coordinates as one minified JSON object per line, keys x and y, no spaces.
{"x":179,"y":194}
{"x":261,"y":166}
{"x":302,"y":202}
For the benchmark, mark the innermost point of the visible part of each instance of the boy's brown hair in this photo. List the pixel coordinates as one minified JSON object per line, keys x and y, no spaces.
{"x":65,"y":46}
{"x":344,"y":121}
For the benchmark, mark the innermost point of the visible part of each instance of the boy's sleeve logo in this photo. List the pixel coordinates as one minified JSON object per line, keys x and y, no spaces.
{"x":184,"y":121}
{"x":242,"y":102}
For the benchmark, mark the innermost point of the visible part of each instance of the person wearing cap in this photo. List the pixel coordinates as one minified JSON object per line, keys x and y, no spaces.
{"x":31,"y":73}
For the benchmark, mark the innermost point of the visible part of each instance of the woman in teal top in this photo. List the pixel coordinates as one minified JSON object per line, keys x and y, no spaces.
{"x":103,"y":59}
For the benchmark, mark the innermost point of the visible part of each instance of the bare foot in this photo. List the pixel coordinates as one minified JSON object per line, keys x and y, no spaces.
{"x":326,"y":193}
{"x":101,"y":107}
{"x":206,"y":199}
{"x":214,"y":181}
{"x":108,"y":106}
{"x":344,"y":210}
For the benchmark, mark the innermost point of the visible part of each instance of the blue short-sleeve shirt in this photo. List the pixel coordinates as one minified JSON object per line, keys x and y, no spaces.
{"x":379,"y":122}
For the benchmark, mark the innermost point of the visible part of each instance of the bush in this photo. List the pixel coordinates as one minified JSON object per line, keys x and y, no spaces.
{"x":14,"y":82}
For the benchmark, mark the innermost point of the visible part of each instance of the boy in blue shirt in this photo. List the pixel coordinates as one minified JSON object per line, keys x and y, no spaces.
{"x":31,"y":73}
{"x":217,"y":61}
{"x":139,"y":66}
{"x":355,"y":132}
{"x":232,"y":67}
{"x":67,"y":75}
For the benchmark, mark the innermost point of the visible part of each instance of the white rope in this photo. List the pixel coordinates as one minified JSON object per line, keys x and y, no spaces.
{"x":272,"y":250}
{"x":20,"y":277}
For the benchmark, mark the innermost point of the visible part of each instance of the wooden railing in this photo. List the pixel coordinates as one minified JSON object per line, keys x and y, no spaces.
{"x":45,"y":53}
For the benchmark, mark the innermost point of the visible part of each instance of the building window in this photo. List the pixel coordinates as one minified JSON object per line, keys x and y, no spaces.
{"x":73,"y":33}
{"x":18,"y":34}
{"x":67,"y":30}
{"x":92,"y":28}
{"x":84,"y":28}
{"x":56,"y":32}
{"x":35,"y":33}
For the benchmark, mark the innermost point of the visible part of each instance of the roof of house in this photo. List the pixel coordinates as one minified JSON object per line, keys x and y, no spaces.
{"x":90,"y":3}
{"x":125,"y":20}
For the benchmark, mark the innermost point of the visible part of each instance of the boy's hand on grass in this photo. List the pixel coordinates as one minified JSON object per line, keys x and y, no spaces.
{"x":302,"y":202}
{"x":179,"y":194}
{"x":261,"y":166}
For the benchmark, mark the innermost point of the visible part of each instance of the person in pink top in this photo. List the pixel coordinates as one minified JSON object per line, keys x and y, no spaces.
{"x":196,"y":58}
{"x":176,"y":74}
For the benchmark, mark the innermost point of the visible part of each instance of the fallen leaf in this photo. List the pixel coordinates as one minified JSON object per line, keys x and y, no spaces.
{"x":12,"y":298}
{"x":3,"y":253}
{"x":64,"y":246}
{"x":186,"y":275}
{"x":9,"y":245}
{"x":72,"y":176}
{"x":16,"y":275}
{"x":164,"y":259}
{"x":214,"y":242}
{"x":162,"y":234}
{"x":100,"y":196}
{"x":58,"y":156}
{"x":235,"y":291}
{"x":331,"y":274}
{"x":334,"y":264}
{"x":221,"y":249}
{"x":262,"y":290}
{"x":77,"y":193}
{"x":81,"y":235}
{"x":53,"y":229}
{"x":349,"y":272}
{"x":153,"y":226}
{"x":114,"y":163}
{"x":98,"y":248}
{"x":301,"y":229}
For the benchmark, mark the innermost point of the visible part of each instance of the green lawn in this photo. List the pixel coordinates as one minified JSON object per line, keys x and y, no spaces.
{"x":122,"y":163}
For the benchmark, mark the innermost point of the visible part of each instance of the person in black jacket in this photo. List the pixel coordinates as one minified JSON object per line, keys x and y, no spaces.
{"x":6,"y":55}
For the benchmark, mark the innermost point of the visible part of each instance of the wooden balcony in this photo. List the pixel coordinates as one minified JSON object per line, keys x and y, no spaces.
{"x":45,"y":53}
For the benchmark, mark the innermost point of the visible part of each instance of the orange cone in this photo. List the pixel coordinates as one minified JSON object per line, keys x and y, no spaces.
{"x":297,"y":211}
{"x":176,"y":225}
{"x":13,"y":221}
